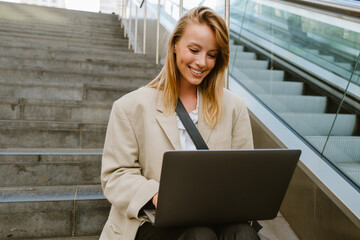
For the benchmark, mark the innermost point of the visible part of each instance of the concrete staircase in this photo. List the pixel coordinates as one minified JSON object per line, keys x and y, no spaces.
{"x":308,"y":115}
{"x":60,"y":72}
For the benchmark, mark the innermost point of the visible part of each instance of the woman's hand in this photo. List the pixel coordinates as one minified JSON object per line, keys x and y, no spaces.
{"x":155,"y":199}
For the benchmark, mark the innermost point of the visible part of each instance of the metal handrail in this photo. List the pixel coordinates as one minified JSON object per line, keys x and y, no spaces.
{"x":340,"y":8}
{"x":141,"y":4}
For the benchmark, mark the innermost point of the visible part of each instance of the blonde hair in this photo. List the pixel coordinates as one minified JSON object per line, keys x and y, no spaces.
{"x":212,"y":85}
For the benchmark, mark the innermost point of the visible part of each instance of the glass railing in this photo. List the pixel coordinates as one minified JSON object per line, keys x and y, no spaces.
{"x":172,"y":7}
{"x":304,"y":66}
{"x":328,"y":41}
{"x":141,"y":19}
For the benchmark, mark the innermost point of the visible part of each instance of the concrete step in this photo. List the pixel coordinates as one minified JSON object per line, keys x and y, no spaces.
{"x":71,"y":45}
{"x":65,"y":42}
{"x":54,"y":110}
{"x":76,"y":53}
{"x":63,"y":91}
{"x":295,"y":104}
{"x":52,"y":211}
{"x":320,"y":124}
{"x":122,"y":78}
{"x":274,"y":88}
{"x":60,"y":34}
{"x":15,"y":11}
{"x":49,"y":40}
{"x":106,"y":26}
{"x":49,"y":168}
{"x":63,"y":23}
{"x":60,"y":31}
{"x":85,"y":66}
{"x":340,"y":149}
{"x":48,"y":15}
{"x":88,"y":65}
{"x":43,"y":134}
{"x":96,"y":25}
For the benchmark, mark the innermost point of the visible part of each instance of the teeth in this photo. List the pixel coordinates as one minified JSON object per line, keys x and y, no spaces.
{"x":194,"y":71}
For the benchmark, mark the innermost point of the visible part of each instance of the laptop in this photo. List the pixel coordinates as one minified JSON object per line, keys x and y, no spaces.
{"x":205,"y":187}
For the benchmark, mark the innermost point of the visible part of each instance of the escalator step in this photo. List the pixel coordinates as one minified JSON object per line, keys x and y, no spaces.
{"x":320,"y":124}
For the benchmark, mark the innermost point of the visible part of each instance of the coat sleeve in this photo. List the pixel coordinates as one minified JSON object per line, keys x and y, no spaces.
{"x":242,"y":137}
{"x":122,"y":182}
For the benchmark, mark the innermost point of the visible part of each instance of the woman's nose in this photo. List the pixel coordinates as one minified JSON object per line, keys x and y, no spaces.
{"x":201,"y":60}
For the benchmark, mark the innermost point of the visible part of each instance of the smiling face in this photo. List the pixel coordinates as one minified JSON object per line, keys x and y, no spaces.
{"x":196,"y":53}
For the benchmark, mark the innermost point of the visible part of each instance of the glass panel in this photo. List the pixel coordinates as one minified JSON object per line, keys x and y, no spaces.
{"x":170,"y":14}
{"x":217,"y":5}
{"x":129,"y":21}
{"x":125,"y":18}
{"x":344,"y":151}
{"x":132,"y":24}
{"x":300,"y":63}
{"x":151,"y":16}
{"x":323,"y":40}
{"x":140,"y":29}
{"x":171,"y":7}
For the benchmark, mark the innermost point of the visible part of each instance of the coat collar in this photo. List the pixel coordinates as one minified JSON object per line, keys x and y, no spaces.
{"x":168,"y":123}
{"x":170,"y":127}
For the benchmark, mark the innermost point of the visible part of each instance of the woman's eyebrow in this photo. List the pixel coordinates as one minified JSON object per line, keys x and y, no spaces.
{"x":194,"y":43}
{"x":199,"y":46}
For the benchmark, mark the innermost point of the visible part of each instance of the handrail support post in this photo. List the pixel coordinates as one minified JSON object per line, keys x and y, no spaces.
{"x":144,"y":34}
{"x":158,"y":33}
{"x":136,"y":28}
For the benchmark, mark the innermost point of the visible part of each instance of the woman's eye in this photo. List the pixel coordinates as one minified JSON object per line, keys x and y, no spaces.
{"x":193,"y":50}
{"x":212,"y":56}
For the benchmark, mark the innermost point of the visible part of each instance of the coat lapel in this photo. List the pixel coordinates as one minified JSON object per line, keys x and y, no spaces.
{"x":169,"y":125}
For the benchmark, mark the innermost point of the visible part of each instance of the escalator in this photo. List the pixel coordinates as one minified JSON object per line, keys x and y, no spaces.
{"x":306,"y":70}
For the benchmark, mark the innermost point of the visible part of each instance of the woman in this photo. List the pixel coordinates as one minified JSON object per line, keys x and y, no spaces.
{"x":143,"y":125}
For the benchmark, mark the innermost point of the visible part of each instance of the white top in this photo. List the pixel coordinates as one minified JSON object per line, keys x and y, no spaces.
{"x":185,"y":140}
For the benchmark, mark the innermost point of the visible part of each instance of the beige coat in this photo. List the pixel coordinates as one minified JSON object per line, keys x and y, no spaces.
{"x":137,"y":136}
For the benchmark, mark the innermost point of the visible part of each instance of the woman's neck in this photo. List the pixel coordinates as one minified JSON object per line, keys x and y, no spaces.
{"x":188,"y":97}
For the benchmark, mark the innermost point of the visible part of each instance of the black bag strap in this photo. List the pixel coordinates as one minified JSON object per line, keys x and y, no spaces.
{"x":190,"y":126}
